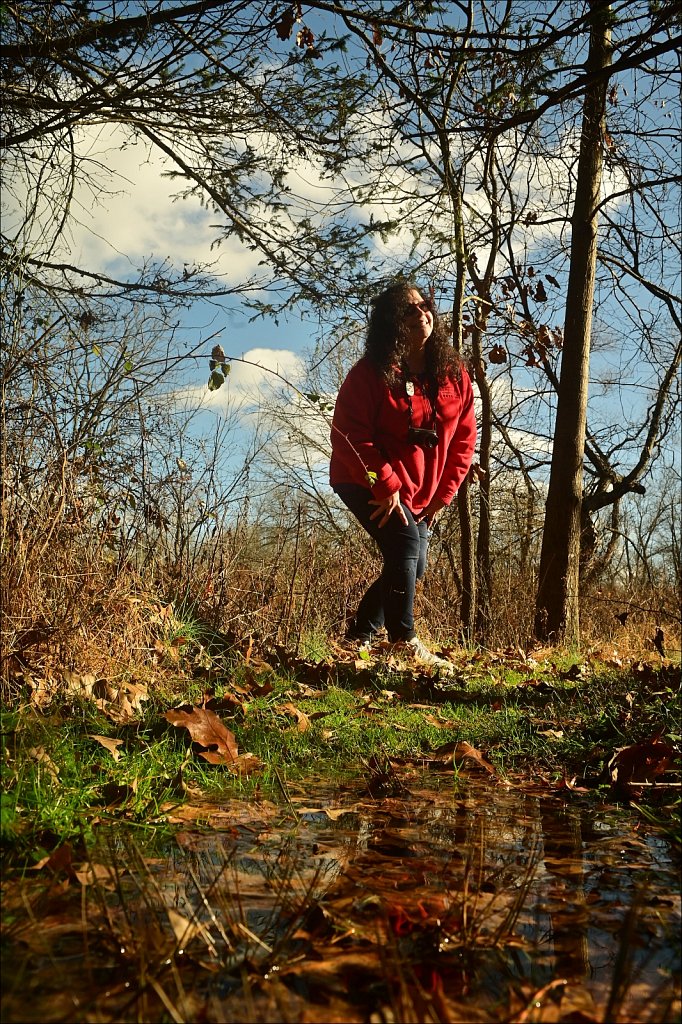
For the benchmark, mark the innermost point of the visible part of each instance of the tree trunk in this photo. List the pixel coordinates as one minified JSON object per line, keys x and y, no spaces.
{"x":557,"y":601}
{"x":468,"y":553}
{"x":466,"y":525}
{"x":484,"y":576}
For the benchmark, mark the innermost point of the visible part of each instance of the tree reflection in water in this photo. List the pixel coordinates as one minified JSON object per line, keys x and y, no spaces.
{"x":443,"y":900}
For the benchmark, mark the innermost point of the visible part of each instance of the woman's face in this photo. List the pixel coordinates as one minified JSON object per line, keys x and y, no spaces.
{"x":418,"y":323}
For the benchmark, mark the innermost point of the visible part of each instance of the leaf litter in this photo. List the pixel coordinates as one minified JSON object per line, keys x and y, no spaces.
{"x":469,"y":900}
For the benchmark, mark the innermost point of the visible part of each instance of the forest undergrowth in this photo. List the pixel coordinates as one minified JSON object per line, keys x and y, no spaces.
{"x":125,"y":688}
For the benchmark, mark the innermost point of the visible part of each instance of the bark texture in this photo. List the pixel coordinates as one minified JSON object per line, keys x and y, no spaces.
{"x":557,"y":602}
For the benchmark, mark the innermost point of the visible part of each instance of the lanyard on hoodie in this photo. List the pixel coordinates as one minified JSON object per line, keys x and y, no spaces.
{"x":430,"y":392}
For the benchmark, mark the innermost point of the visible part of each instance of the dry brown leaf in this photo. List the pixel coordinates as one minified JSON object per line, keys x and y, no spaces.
{"x":42,"y":690}
{"x":206,"y":729}
{"x":110,"y":744}
{"x":438,"y":722}
{"x":58,"y":860}
{"x":308,"y":691}
{"x":114,"y":793}
{"x":80,"y":684}
{"x":136,"y":694}
{"x":552,"y":734}
{"x":39,"y":755}
{"x":301,"y":717}
{"x":228,"y":702}
{"x":122,"y":703}
{"x":641,"y":762}
{"x":209,"y":731}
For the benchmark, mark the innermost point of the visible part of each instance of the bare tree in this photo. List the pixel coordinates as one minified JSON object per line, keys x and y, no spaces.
{"x":558,"y":596}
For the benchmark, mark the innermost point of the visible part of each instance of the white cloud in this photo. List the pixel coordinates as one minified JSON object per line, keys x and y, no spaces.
{"x":139,"y":218}
{"x":123,"y":211}
{"x":263,"y":392}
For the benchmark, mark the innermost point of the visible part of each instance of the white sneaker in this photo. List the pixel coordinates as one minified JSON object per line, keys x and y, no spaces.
{"x":416,"y":649}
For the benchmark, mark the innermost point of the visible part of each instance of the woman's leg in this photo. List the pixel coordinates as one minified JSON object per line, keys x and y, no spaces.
{"x":403,"y":547}
{"x":369,"y":617}
{"x":424,"y":538}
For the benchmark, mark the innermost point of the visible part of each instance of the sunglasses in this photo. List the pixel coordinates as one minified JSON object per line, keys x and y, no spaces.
{"x":417,"y":307}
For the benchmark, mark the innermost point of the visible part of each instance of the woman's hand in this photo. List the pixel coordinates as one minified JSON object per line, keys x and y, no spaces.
{"x":430,"y":513}
{"x":385,"y":509}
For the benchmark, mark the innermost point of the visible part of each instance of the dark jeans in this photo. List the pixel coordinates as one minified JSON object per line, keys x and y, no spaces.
{"x":390,"y":599}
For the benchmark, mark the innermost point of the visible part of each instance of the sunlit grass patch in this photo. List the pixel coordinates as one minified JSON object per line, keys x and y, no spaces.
{"x":76,"y":759}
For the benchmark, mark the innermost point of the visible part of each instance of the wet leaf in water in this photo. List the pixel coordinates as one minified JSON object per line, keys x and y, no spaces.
{"x":414,"y":907}
{"x":184,"y":929}
{"x":225,"y":815}
{"x":101,"y":875}
{"x":557,"y":1003}
{"x":243,"y":764}
{"x":460,"y":753}
{"x":333,"y":813}
{"x":570,"y":784}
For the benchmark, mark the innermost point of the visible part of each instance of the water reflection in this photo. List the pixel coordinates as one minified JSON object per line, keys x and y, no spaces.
{"x":452,"y":900}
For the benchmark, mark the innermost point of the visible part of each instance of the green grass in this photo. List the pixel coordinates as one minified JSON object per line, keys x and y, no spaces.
{"x":57,"y":782}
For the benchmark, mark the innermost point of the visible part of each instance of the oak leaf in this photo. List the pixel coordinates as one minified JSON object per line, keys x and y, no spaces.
{"x":39,"y":754}
{"x":300,"y":716}
{"x":207,"y":730}
{"x":285,"y":24}
{"x":102,"y":875}
{"x":57,"y":861}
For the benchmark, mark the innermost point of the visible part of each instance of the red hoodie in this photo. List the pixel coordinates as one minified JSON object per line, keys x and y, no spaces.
{"x":369,"y":435}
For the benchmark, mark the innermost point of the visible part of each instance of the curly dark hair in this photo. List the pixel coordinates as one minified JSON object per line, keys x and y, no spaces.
{"x":386,"y":343}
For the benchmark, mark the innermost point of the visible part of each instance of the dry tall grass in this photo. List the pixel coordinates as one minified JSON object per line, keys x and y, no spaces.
{"x":75,"y":596}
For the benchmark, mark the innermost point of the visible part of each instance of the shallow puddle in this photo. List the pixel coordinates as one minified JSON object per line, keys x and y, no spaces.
{"x":441,"y":900}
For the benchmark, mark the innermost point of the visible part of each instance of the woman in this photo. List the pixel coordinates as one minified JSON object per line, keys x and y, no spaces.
{"x":403,"y":437}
